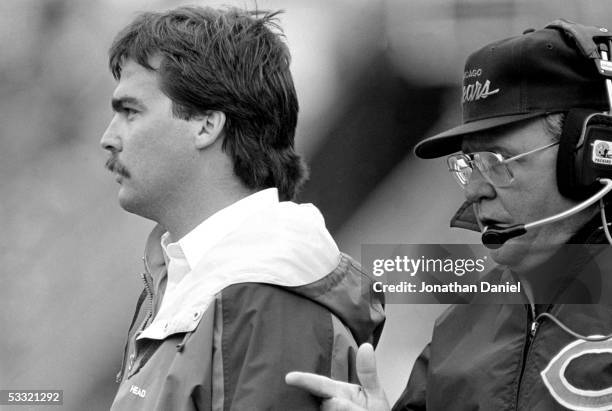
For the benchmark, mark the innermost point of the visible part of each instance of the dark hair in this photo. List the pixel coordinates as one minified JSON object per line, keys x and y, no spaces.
{"x":232,"y":61}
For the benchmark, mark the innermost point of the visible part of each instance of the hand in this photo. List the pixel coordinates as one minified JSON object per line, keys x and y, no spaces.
{"x":342,"y":396}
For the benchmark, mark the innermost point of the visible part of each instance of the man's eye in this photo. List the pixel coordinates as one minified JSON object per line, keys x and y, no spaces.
{"x":129,"y":112}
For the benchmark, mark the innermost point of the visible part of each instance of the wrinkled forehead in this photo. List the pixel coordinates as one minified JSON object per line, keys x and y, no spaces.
{"x":489,"y":141}
{"x":509,"y":139}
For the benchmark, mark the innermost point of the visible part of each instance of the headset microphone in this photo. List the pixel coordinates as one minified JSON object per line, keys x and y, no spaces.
{"x":494,"y":237}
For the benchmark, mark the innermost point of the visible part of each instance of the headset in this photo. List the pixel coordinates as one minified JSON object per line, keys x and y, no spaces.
{"x":584,"y":160}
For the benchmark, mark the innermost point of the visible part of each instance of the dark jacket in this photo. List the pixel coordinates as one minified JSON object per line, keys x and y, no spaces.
{"x":508,"y":357}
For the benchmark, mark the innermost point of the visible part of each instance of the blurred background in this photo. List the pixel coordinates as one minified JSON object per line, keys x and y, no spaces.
{"x":373,"y":77}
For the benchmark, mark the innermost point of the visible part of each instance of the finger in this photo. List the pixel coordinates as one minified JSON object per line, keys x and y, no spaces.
{"x":339,"y":404}
{"x":366,"y":368}
{"x":315,"y":384}
{"x":323,"y":387}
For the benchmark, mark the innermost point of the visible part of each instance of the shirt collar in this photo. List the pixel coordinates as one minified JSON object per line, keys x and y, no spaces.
{"x":171,"y":251}
{"x":198,"y":241}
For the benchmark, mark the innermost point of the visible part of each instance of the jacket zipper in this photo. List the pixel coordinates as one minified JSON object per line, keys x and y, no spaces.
{"x":145,"y":279}
{"x":147,"y":316}
{"x":531,"y":332}
{"x":534,"y":325}
{"x":132,"y":357}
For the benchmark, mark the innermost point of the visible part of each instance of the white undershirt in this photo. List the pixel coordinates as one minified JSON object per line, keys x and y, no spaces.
{"x":183,"y":255}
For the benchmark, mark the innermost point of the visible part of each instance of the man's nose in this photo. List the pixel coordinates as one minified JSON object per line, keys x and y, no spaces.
{"x":111,"y":139}
{"x":478,"y":188}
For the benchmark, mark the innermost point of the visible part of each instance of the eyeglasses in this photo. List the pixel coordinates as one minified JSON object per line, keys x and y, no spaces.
{"x":492,"y":166}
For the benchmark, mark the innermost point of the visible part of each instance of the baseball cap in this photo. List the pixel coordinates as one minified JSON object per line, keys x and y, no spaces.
{"x":537,"y":73}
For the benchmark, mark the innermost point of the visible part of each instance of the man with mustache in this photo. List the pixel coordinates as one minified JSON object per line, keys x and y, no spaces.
{"x":527,"y":102}
{"x":241,"y":284}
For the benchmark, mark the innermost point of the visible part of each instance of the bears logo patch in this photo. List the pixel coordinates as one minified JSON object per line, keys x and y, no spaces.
{"x":565,"y":391}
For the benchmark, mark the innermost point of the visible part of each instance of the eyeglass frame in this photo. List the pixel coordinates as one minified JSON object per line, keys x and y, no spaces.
{"x":502,"y":161}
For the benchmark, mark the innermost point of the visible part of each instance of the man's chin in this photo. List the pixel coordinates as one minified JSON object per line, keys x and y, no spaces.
{"x":127,"y":200}
{"x":511,"y":253}
{"x":522,"y":254}
{"x":135,"y":205}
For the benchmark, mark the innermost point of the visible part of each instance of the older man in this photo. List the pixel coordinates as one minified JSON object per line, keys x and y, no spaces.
{"x":531,"y":174}
{"x":241,"y":285}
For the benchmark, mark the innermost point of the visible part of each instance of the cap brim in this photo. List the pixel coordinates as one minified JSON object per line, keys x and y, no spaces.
{"x":449,"y":141}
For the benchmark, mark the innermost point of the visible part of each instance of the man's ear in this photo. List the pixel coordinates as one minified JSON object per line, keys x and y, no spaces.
{"x":210,"y":128}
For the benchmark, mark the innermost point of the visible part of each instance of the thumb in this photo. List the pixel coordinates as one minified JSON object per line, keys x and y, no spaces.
{"x":366,"y":369}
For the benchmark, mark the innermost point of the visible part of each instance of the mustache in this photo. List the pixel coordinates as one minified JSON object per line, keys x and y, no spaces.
{"x":113,"y":165}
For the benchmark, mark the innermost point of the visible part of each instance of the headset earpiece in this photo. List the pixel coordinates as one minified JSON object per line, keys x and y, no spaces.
{"x":567,"y":164}
{"x":585,"y":153}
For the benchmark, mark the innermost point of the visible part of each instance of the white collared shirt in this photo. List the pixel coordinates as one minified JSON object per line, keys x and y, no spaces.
{"x":176,"y":262}
{"x":183,"y":255}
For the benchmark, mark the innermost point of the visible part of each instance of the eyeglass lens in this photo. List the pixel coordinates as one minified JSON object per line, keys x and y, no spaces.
{"x":489,"y":164}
